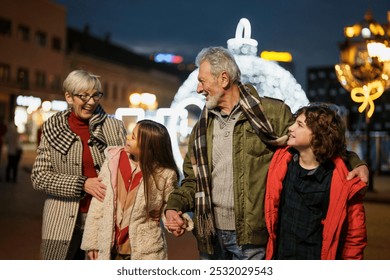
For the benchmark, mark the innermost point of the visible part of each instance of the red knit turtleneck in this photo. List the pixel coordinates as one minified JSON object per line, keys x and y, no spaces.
{"x":81,"y":128}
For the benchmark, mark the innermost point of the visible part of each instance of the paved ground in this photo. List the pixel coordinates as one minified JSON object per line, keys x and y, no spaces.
{"x":21,"y":217}
{"x":21,"y":212}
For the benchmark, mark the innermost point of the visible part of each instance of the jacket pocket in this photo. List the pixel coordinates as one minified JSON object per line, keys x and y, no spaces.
{"x":253,"y":144}
{"x":149,"y":239}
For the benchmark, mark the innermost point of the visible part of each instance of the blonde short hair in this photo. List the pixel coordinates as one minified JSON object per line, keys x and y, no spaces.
{"x":81,"y":81}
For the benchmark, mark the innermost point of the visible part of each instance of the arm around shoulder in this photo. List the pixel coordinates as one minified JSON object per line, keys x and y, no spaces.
{"x":359,"y":167}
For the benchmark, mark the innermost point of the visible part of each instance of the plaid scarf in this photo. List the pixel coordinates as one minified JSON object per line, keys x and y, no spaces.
{"x":254,"y":112}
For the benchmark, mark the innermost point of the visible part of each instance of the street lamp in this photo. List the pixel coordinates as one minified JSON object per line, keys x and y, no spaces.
{"x":364,"y":68}
{"x":146,"y":101}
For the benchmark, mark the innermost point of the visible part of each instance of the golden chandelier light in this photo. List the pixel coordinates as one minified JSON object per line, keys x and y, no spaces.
{"x":364,"y":69}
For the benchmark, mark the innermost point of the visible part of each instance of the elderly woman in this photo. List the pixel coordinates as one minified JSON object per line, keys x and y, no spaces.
{"x":69,"y":158}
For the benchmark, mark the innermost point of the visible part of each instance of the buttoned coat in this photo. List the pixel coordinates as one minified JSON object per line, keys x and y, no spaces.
{"x":57,"y":172}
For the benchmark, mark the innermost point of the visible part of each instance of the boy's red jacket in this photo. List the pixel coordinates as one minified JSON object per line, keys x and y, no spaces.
{"x":344,"y":234}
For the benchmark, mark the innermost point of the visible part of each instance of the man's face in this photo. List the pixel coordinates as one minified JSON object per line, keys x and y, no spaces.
{"x":209,"y":86}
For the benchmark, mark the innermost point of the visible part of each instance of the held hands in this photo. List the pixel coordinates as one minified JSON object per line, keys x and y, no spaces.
{"x":361,"y":172}
{"x":96,"y":188}
{"x":175,"y":223}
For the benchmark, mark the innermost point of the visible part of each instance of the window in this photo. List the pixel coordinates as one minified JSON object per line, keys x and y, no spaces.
{"x":54,"y":82}
{"x":105,"y":90}
{"x":22,"y":78}
{"x":5,"y":71}
{"x":321,"y":91}
{"x":115,"y":93}
{"x":5,"y":27}
{"x":124,"y":93}
{"x":312,"y":93}
{"x":56,"y":44}
{"x":41,"y":38}
{"x":312,"y":76}
{"x":24,"y":33}
{"x":321,"y":74}
{"x":40,"y":79}
{"x":342,"y":90}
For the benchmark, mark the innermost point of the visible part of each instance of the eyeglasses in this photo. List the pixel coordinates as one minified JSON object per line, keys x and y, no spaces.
{"x":86,"y":97}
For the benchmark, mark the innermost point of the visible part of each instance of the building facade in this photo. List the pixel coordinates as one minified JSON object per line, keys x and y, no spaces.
{"x":38,"y":50}
{"x":32,"y":57}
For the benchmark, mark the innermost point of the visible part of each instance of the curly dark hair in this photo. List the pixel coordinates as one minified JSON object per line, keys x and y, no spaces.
{"x":328,"y":131}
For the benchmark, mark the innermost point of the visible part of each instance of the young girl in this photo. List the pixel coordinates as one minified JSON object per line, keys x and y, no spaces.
{"x":139,"y":177}
{"x":312,"y":211}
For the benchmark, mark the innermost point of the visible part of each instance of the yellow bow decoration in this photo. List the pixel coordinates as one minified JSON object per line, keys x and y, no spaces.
{"x":366,"y":95}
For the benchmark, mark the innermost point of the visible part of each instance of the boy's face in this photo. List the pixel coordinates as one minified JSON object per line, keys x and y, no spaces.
{"x":299,"y":136}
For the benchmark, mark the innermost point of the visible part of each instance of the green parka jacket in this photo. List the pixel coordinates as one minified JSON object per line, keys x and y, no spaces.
{"x":251,"y":158}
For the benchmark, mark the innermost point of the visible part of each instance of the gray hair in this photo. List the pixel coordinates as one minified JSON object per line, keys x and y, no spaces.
{"x":220,"y":60}
{"x":81,"y":81}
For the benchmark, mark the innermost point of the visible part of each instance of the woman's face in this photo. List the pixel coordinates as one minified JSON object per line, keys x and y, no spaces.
{"x":132,"y":144}
{"x":83,"y":103}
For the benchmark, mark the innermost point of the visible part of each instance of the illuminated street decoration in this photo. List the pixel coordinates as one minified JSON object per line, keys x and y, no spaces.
{"x":269,"y":78}
{"x":31,"y":107}
{"x":145,"y":100}
{"x":130,"y":112}
{"x":175,"y":119}
{"x":168,"y":58}
{"x":364,"y":69}
{"x":276,"y":56}
{"x":366,"y":95}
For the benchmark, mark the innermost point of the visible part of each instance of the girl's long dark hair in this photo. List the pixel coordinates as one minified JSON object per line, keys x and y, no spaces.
{"x":155,"y":152}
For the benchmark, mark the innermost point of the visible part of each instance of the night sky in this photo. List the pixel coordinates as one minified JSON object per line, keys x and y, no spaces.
{"x":309,"y":29}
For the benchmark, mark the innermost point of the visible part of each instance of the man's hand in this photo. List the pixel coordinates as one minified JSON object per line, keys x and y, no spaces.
{"x":96,"y":188}
{"x":175,"y":223}
{"x":361,"y":172}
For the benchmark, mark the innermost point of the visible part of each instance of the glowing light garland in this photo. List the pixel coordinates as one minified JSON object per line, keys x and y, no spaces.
{"x":365,"y":63}
{"x":366,"y":95}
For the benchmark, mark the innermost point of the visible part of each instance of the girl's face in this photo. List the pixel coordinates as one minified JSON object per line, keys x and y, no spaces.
{"x":132,"y":142}
{"x":299,"y":134}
